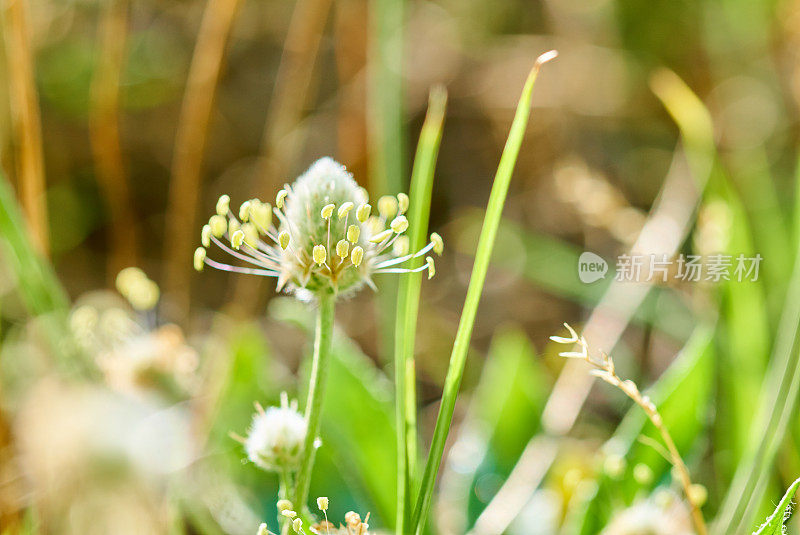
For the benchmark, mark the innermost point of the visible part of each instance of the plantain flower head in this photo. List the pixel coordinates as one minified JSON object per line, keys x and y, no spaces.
{"x":321,"y":237}
{"x":274,"y":441}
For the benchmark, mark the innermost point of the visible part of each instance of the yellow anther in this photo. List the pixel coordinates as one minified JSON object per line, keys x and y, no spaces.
{"x":199,"y":258}
{"x":144,"y":295}
{"x":288,"y":513}
{"x":218,"y":224}
{"x":438,"y":243}
{"x":280,"y":198}
{"x":387,"y":206}
{"x":327,"y":211}
{"x":363,"y":212}
{"x":322,"y":503}
{"x":223,"y":204}
{"x":402,"y":202}
{"x":250,"y":235}
{"x":698,"y":494}
{"x":357,"y":255}
{"x":345,"y":209}
{"x":399,"y":224}
{"x":283,"y":239}
{"x":342,"y":248}
{"x":352,"y":518}
{"x":205,"y":236}
{"x":233,"y":226}
{"x":381,"y":236}
{"x":261,"y":215}
{"x":284,"y":505}
{"x":401,"y":245}
{"x":431,"y":267}
{"x":262,"y":529}
{"x":237,"y":238}
{"x":353,"y":233}
{"x":297,"y":525}
{"x":375,"y":225}
{"x":244,"y":211}
{"x":319,"y":254}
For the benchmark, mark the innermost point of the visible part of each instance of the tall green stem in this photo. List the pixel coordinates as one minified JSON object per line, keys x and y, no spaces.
{"x":316,"y":387}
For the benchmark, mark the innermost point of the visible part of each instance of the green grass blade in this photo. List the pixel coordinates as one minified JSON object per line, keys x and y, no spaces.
{"x":408,"y":304}
{"x":774,"y":524}
{"x":464,"y":333}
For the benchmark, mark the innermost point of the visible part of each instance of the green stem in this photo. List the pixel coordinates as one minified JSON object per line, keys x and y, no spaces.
{"x":316,"y":387}
{"x":285,"y":489}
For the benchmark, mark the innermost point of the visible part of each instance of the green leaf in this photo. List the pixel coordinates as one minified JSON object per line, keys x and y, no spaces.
{"x":774,"y":524}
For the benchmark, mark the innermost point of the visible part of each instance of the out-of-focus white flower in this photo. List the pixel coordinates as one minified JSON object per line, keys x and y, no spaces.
{"x":663,"y":513}
{"x":275,"y":438}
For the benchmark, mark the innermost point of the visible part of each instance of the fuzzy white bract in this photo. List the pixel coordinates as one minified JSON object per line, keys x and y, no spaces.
{"x":274,"y":441}
{"x":325,"y":238}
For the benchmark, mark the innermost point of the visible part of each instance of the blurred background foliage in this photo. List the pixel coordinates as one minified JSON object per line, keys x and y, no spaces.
{"x":150,"y":110}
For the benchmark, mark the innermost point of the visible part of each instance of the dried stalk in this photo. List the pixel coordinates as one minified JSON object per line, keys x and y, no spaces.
{"x":26,"y":121}
{"x":104,"y":132}
{"x":606,"y":371}
{"x":190,"y":141}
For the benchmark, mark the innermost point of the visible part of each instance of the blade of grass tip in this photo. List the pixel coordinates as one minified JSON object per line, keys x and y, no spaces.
{"x":190,"y":142}
{"x":38,"y":286}
{"x":26,"y":120}
{"x":458,"y":357}
{"x":408,"y":304}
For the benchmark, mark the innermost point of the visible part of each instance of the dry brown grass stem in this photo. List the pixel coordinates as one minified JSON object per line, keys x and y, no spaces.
{"x":605,"y":370}
{"x":190,"y":141}
{"x":104,"y":132}
{"x":26,"y":119}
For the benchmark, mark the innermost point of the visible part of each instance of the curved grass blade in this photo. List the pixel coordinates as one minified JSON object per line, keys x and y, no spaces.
{"x":774,"y":524}
{"x":464,"y":333}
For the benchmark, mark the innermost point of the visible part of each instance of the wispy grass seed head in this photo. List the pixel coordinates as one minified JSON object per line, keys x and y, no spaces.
{"x":324,"y":237}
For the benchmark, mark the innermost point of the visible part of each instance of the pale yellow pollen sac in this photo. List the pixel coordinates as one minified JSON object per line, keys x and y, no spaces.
{"x":262,"y":529}
{"x":327,"y":211}
{"x":387,"y":206}
{"x":288,"y":513}
{"x":261,"y":215}
{"x":352,"y":518}
{"x":233,"y":226}
{"x":345,"y":209}
{"x":244,"y":211}
{"x":322,"y":503}
{"x":343,"y":248}
{"x":363,"y":212}
{"x":319,"y":254}
{"x":280,"y":197}
{"x":357,"y":255}
{"x":399,"y":224}
{"x":218,"y":224}
{"x":205,"y":236}
{"x":250,"y":235}
{"x":237,"y":238}
{"x":223,"y":204}
{"x":401,"y":246}
{"x":297,"y":525}
{"x":438,"y":243}
{"x":431,"y":267}
{"x":199,"y":258}
{"x":284,"y":505}
{"x":283,"y":239}
{"x":381,"y":236}
{"x":402,"y":202}
{"x":353,"y":233}
{"x":375,"y":225}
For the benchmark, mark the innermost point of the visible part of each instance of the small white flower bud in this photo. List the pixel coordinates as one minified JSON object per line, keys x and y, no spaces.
{"x":319,"y":254}
{"x":199,"y":258}
{"x":244,"y":211}
{"x":353,"y":233}
{"x":363,"y":212}
{"x":387,"y":206}
{"x":343,"y":248}
{"x":381,"y":236}
{"x":205,"y":236}
{"x":431,"y":267}
{"x":327,"y":211}
{"x":223,"y":204}
{"x":280,"y":198}
{"x":218,"y":224}
{"x":357,"y":255}
{"x":344,"y":209}
{"x":438,"y":243}
{"x":402,"y":202}
{"x":399,"y":224}
{"x":237,"y":239}
{"x":322,"y":503}
{"x":283,"y":239}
